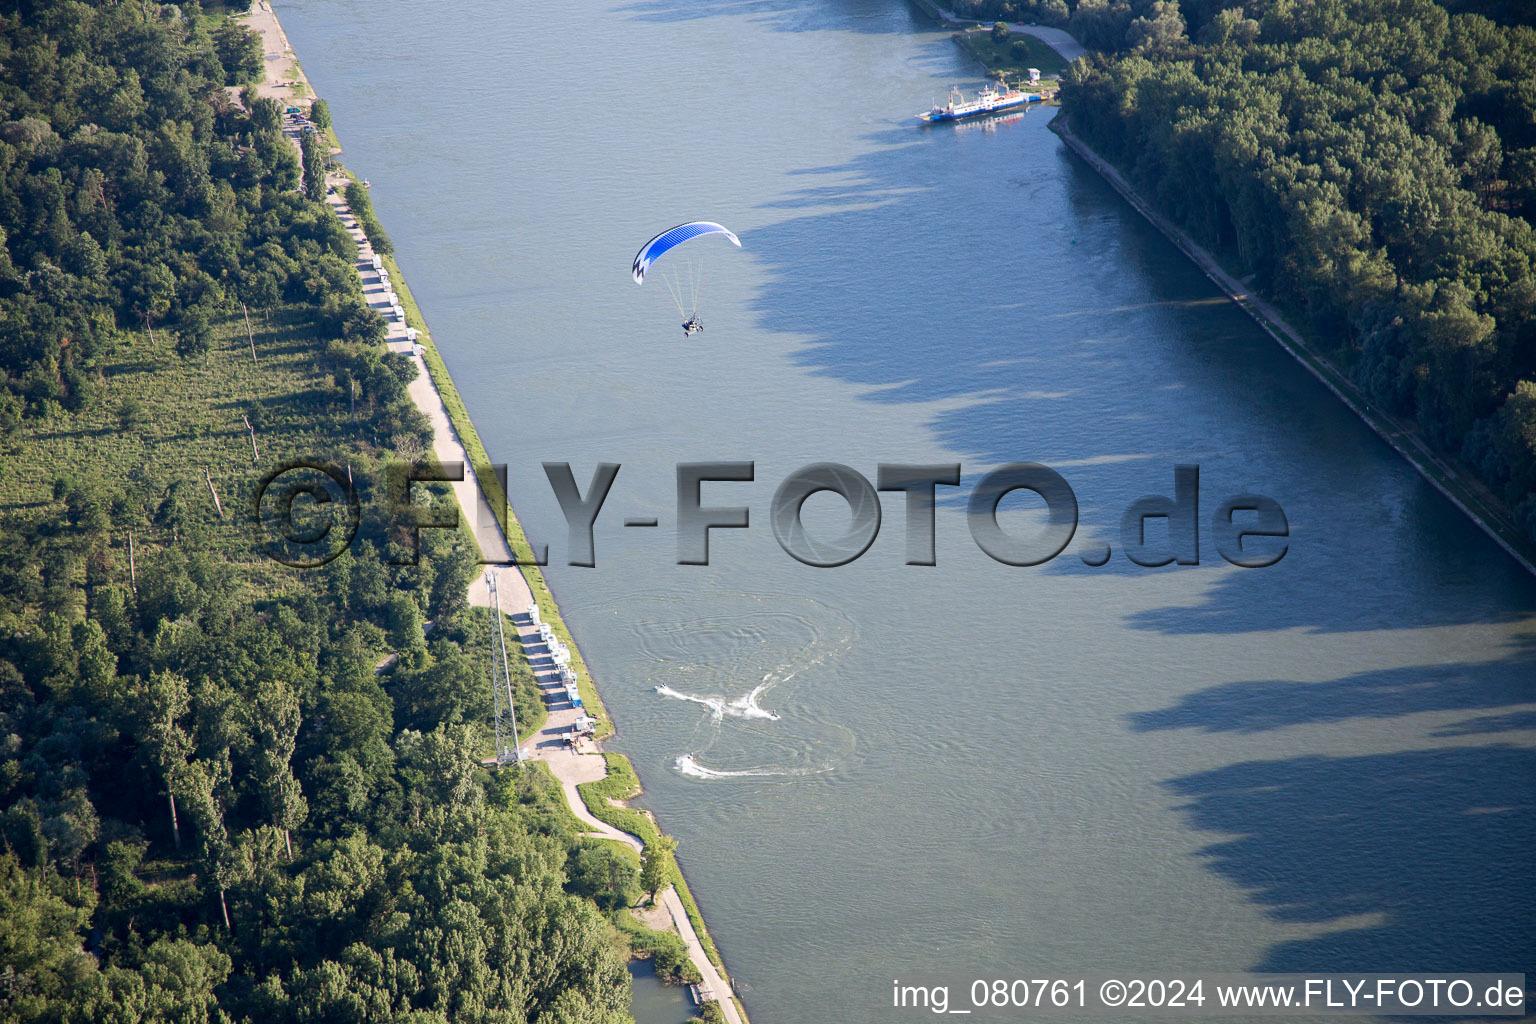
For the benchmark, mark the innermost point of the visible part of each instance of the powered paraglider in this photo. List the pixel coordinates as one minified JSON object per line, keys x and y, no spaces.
{"x":683,"y":290}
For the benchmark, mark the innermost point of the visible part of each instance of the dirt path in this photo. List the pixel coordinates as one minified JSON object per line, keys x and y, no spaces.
{"x":282,"y":65}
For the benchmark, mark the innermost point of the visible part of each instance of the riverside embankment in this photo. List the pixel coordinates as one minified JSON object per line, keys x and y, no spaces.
{"x":1490,"y":515}
{"x":495,"y":529}
{"x":1057,"y":39}
{"x":1466,"y":494}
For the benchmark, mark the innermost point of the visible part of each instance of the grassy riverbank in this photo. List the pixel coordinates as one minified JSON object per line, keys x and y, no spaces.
{"x":1013,"y":55}
{"x":621,"y":783}
{"x":517,"y":540}
{"x":676,"y":956}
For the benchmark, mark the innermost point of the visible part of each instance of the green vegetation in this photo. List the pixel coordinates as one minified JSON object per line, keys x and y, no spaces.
{"x":607,"y":872}
{"x":657,"y":865}
{"x":666,"y":950}
{"x":362,"y":208}
{"x":312,"y":158}
{"x":1372,"y":165}
{"x":218,"y":801}
{"x":621,"y":783}
{"x":320,"y":117}
{"x":1010,"y":55}
{"x":450,"y":685}
{"x":1143,"y":25}
{"x":1031,"y":12}
{"x":239,"y":52}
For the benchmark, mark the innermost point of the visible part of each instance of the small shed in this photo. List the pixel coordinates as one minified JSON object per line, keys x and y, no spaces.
{"x":1034,"y":74}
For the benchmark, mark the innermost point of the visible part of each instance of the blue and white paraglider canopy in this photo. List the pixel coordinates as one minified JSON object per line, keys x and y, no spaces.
{"x":652,"y":250}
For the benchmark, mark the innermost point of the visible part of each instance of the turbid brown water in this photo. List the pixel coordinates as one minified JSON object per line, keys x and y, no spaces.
{"x":1323,"y":765}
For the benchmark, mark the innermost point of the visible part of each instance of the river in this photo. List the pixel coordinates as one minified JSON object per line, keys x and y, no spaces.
{"x":1326,"y":764}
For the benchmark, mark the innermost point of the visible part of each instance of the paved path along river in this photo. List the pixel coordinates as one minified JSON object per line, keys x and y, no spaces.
{"x":573,"y":765}
{"x":570,"y":766}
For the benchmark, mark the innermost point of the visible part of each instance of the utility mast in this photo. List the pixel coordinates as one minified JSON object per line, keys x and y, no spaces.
{"x":501,"y":687}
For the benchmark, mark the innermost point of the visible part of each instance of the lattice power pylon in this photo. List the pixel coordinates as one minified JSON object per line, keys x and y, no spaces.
{"x":501,"y":688}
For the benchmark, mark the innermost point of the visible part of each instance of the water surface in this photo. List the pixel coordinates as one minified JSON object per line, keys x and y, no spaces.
{"x":889,"y":771}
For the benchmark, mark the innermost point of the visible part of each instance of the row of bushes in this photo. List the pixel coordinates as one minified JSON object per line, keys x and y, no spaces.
{"x":362,"y":209}
{"x":666,"y":950}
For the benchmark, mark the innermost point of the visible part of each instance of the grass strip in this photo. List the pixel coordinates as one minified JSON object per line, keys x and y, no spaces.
{"x":621,"y":783}
{"x":999,"y":56}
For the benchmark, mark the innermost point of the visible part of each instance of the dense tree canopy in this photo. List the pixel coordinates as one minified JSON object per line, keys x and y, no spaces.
{"x":1373,"y":164}
{"x":135,"y":186}
{"x":1129,"y":24}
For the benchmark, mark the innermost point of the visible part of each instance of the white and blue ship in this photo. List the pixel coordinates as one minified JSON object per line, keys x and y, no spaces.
{"x":988,"y":101}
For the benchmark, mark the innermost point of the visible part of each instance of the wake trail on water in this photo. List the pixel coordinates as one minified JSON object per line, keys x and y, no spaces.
{"x":741,"y":707}
{"x":707,"y":656}
{"x":689,"y":765}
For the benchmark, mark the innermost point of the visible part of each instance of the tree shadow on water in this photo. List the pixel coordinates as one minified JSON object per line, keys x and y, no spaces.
{"x":1252,"y":706}
{"x":991,"y":273}
{"x":786,"y":15}
{"x":1432,"y":848}
{"x":1437,"y":569}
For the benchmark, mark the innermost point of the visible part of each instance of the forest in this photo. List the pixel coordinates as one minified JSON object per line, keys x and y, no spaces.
{"x":1117,"y":25}
{"x":232,"y":790}
{"x":1371,"y":164}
